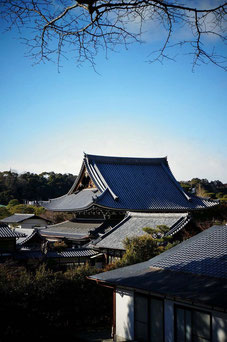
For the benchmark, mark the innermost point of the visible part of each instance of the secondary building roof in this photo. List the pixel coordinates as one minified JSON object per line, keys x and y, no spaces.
{"x":133,"y":226}
{"x":69,"y":253}
{"x":18,"y":218}
{"x":136,"y":184}
{"x":6,"y":232}
{"x":195,"y":270}
{"x":78,"y":229}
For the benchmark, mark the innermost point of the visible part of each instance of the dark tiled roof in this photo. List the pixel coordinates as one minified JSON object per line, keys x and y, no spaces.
{"x":16,"y":218}
{"x":136,"y":184}
{"x":82,"y":252}
{"x":133,"y":226}
{"x":70,"y":253}
{"x":77,"y":229}
{"x":205,"y":253}
{"x":194,"y":270}
{"x":6,"y":232}
{"x":29,"y":234}
{"x":72,"y":202}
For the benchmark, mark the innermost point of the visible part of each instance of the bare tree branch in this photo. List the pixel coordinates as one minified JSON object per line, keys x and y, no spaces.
{"x":91,"y":25}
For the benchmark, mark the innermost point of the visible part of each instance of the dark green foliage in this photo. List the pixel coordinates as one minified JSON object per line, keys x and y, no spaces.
{"x":22,"y":209}
{"x":140,"y":249}
{"x":204,"y":188}
{"x":4,"y":212}
{"x":12,"y":203}
{"x":217,"y":213}
{"x":30,"y":186}
{"x":158,"y":233}
{"x":143,"y":248}
{"x":47,"y":305}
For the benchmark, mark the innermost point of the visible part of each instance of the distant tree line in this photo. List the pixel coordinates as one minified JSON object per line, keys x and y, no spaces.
{"x":33,"y":187}
{"x":204,"y":188}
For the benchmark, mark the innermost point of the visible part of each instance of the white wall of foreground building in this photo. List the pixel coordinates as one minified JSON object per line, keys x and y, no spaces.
{"x":125,"y":318}
{"x":219,"y":327}
{"x":124,"y":315}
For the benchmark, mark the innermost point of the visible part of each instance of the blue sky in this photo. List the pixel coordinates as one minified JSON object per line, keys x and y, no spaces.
{"x":128,"y":108}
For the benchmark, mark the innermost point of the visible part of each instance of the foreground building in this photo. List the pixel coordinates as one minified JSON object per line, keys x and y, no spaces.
{"x":180,"y":295}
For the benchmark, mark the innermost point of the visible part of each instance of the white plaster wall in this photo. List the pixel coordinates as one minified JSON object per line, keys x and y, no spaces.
{"x":169,"y":320}
{"x":219,"y":327}
{"x":125,"y":314}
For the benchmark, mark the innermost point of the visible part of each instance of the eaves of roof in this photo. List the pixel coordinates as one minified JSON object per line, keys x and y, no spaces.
{"x":180,"y":286}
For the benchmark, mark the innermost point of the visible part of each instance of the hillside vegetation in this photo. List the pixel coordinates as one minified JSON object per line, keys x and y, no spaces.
{"x":33,"y":187}
{"x":204,"y":188}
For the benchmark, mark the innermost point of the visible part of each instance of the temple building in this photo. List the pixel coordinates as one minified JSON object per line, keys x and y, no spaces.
{"x":133,"y":192}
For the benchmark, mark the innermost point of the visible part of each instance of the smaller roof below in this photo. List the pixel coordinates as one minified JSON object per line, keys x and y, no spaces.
{"x":6,"y":232}
{"x":16,"y":218}
{"x":28,"y":235}
{"x":73,"y":253}
{"x":69,"y":253}
{"x":76,"y":201}
{"x":134,"y":223}
{"x":77,"y":229}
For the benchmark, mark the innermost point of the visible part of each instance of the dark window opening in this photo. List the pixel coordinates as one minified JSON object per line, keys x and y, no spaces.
{"x":192,"y":325}
{"x":149,"y":318}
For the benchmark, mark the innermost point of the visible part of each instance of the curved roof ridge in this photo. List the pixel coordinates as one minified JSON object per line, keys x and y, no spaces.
{"x":125,"y":160}
{"x":144,"y":214}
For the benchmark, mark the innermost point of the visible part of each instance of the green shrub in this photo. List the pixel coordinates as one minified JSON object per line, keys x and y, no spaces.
{"x":22,"y":209}
{"x":4,"y":212}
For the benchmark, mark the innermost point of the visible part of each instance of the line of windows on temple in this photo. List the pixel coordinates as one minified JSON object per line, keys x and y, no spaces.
{"x":190,"y":325}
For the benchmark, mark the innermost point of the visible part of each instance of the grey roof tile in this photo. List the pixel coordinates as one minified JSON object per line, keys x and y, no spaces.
{"x":78,"y":228}
{"x":72,"y":202}
{"x":72,"y":253}
{"x":69,"y":253}
{"x":134,"y":223}
{"x":16,"y":218}
{"x":6,"y":232}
